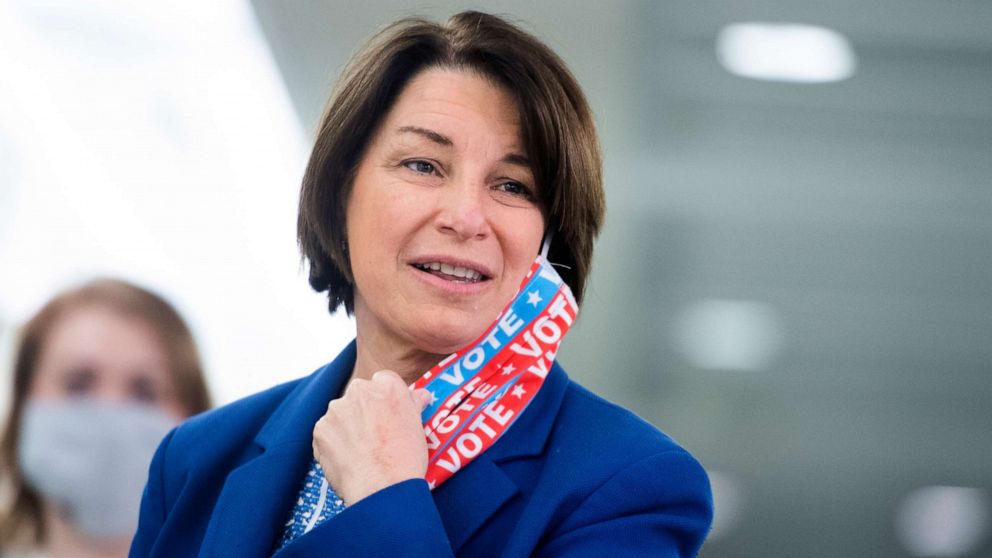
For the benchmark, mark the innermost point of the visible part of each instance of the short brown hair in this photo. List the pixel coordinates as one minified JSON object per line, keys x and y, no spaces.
{"x":559,"y":136}
{"x":22,"y":518}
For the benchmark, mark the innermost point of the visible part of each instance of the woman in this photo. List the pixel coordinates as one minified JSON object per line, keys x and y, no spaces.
{"x":102,"y":372}
{"x":448,"y":157}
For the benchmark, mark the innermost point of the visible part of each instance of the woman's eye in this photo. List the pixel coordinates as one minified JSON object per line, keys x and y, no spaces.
{"x":143,"y":390}
{"x":79,"y":381}
{"x":423,"y":167}
{"x":514,"y":188}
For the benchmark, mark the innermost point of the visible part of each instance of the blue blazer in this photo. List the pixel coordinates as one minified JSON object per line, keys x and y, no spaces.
{"x":574,"y":476}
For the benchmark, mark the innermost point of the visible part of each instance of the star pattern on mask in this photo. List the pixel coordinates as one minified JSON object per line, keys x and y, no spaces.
{"x":518,"y":391}
{"x":533,"y":298}
{"x":508,"y":369}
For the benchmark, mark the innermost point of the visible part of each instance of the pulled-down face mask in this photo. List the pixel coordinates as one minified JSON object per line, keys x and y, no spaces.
{"x":478,"y":392}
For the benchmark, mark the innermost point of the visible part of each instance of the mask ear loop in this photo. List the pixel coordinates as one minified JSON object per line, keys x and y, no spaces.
{"x":546,"y":246}
{"x":546,"y":243}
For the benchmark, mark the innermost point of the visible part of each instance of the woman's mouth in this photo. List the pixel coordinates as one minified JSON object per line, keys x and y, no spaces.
{"x":457,"y":274}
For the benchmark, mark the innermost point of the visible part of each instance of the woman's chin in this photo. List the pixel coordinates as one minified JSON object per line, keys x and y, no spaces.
{"x":445,"y":338}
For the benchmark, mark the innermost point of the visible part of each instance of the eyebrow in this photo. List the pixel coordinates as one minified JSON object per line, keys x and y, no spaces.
{"x":429,"y":134}
{"x":441,"y":139}
{"x":517,"y":159}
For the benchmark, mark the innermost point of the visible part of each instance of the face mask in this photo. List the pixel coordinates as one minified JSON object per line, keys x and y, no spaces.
{"x":91,"y":459}
{"x":478,"y":392}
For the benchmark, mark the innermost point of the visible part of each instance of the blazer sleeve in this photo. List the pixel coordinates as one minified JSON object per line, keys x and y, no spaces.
{"x":398,"y":521}
{"x":660,"y":506}
{"x":153,"y":506}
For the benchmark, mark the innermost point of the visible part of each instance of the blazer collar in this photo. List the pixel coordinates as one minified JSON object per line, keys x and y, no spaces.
{"x":257,"y":495}
{"x":293,"y":420}
{"x":472,"y":495}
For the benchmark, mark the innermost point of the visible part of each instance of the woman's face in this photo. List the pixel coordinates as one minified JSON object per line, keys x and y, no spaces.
{"x":92,"y":351}
{"x":443,"y":219}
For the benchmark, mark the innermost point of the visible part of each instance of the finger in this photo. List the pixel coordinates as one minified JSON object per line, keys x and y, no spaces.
{"x":354,"y":385}
{"x":386,"y":376}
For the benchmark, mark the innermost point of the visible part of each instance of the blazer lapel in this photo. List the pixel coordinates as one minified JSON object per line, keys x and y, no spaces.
{"x":471,"y":496}
{"x":257,"y":496}
{"x":254,"y":503}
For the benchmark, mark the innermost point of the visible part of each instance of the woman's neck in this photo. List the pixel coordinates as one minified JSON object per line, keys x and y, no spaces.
{"x":379,"y":348}
{"x":64,"y":540}
{"x":409,"y":364}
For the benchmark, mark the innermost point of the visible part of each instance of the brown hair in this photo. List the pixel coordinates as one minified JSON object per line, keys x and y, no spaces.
{"x":559,"y":136}
{"x":22,"y":520}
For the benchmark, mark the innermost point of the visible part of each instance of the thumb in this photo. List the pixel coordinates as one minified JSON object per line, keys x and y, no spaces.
{"x":422,"y":397}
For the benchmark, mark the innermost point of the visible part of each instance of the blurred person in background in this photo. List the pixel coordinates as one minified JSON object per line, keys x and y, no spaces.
{"x":454,"y":161}
{"x":101,"y":373}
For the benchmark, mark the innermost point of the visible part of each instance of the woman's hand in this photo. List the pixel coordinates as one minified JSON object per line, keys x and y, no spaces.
{"x":372,"y":436}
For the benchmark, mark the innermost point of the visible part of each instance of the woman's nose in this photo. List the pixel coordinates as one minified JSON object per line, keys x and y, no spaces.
{"x":462,"y":210}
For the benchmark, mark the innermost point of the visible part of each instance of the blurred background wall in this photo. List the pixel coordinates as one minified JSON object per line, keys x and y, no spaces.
{"x":795,"y":279}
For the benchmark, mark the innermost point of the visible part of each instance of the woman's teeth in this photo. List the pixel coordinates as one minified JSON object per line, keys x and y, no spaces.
{"x":451,"y":270}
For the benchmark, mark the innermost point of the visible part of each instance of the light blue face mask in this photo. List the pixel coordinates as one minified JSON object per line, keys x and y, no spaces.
{"x":90,"y":458}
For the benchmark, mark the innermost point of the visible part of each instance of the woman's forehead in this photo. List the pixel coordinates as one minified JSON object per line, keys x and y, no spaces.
{"x":97,"y":332}
{"x":456,"y":105}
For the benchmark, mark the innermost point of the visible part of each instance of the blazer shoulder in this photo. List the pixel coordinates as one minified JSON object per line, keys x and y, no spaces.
{"x":594,"y":440}
{"x":613,"y":470}
{"x":233,"y":425}
{"x":588,"y":419}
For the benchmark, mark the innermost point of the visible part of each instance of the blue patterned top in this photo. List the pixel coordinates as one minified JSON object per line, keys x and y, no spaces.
{"x":315,"y":504}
